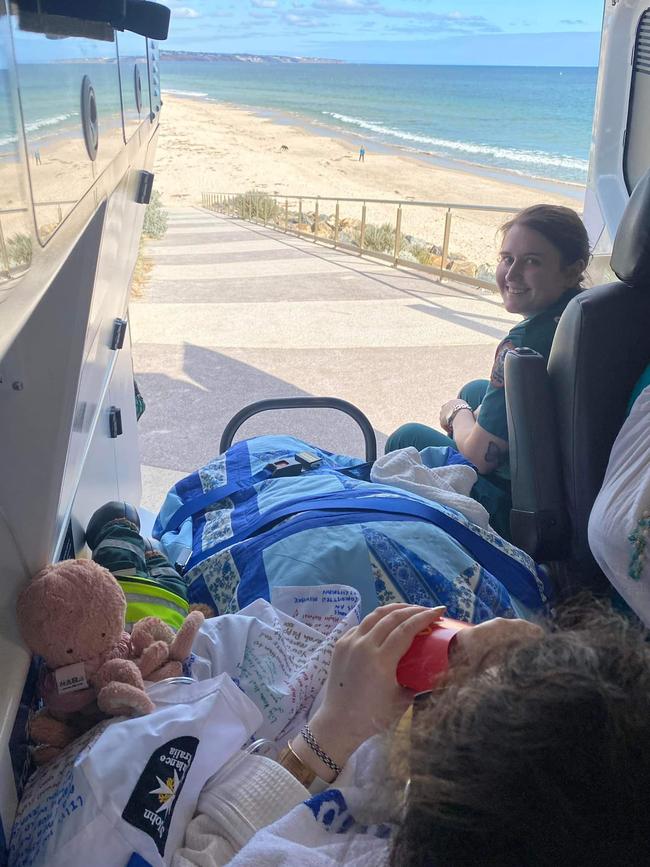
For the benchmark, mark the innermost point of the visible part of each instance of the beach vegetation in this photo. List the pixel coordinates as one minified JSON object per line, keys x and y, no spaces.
{"x":153,"y":227}
{"x":486,"y":271}
{"x":257,"y":206}
{"x":155,"y":217}
{"x":381,"y":238}
{"x":19,"y":249}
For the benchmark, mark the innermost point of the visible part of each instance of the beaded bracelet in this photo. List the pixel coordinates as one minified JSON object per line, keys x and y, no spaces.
{"x":312,"y":743}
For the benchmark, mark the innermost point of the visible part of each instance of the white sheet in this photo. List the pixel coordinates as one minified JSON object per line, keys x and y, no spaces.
{"x":618,"y":536}
{"x":350,"y":823}
{"x":449,"y":486}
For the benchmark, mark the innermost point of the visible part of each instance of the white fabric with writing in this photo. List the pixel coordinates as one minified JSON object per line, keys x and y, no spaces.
{"x":279,"y":652}
{"x":128,"y":788}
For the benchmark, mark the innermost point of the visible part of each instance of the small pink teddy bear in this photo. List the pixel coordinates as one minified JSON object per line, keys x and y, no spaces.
{"x":72,"y":615}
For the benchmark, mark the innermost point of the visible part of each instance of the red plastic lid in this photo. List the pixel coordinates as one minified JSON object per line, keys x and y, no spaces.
{"x":428,"y":655}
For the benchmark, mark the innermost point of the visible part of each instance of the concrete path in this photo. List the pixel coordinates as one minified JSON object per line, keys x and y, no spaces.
{"x":235,"y":313}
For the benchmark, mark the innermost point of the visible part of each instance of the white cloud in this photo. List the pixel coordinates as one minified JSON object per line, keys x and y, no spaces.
{"x":185,"y":12}
{"x":264,"y":4}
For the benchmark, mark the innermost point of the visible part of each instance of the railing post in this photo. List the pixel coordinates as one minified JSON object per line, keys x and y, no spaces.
{"x":266,"y":210}
{"x":362,"y":235}
{"x":286,"y":215}
{"x":300,"y":217}
{"x":398,"y":234}
{"x":316,"y":220}
{"x":445,"y":242}
{"x":336,"y":225}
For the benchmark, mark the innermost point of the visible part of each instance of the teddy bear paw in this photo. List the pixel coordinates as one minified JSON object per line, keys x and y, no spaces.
{"x":173,"y":668}
{"x":123,"y":699}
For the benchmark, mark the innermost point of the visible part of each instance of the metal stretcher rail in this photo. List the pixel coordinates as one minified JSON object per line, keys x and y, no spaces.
{"x":302,"y":403}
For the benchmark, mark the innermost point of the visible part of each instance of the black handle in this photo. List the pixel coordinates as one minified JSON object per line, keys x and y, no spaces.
{"x":302,"y":403}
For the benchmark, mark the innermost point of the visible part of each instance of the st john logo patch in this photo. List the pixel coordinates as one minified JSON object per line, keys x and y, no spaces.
{"x":151,"y":805}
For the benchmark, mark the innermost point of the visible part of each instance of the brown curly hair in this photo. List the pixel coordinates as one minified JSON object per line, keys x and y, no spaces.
{"x":541,"y":761}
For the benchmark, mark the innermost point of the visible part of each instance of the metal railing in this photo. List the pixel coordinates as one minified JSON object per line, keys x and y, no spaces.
{"x":386,"y":241}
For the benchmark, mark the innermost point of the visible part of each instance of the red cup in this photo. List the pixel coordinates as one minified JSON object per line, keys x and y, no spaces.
{"x":428,"y":656}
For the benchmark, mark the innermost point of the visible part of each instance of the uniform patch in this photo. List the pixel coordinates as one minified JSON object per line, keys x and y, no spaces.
{"x":151,"y":805}
{"x":496,"y":376}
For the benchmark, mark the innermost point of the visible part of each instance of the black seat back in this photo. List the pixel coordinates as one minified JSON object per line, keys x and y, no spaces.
{"x":563,"y":423}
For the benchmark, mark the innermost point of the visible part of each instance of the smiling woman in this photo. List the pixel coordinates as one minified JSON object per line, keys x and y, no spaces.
{"x":544,"y":252}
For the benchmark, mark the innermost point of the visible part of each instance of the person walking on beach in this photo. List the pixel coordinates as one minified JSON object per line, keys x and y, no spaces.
{"x":362,"y":154}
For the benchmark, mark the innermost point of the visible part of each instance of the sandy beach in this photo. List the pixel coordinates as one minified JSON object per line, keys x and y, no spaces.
{"x":215,"y":147}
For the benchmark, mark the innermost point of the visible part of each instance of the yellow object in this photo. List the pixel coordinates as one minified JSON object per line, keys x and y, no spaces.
{"x":146,"y":598}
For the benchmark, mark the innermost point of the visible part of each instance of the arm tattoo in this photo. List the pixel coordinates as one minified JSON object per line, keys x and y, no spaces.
{"x":493,"y":454}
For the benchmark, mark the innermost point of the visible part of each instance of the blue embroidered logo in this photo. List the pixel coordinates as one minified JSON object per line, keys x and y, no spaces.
{"x":330,"y":809}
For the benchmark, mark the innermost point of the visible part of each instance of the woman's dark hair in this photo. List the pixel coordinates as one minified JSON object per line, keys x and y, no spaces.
{"x":541,"y":760}
{"x":561,"y":227}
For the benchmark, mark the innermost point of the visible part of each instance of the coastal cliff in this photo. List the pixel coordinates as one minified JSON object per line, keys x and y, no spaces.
{"x":241,"y":58}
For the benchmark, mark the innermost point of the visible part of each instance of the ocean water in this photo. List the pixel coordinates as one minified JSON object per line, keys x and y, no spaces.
{"x":535,"y":121}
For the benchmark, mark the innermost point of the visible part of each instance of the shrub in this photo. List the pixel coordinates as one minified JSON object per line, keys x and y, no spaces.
{"x":256,"y":206}
{"x":155,"y":218}
{"x":19,"y":250}
{"x":381,"y":239}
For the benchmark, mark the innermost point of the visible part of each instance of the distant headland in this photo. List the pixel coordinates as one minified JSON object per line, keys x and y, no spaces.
{"x":241,"y":58}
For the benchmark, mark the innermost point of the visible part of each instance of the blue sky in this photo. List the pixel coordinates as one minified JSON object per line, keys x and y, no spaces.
{"x":511,"y":32}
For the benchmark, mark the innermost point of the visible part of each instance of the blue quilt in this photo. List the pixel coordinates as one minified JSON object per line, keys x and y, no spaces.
{"x":249,"y":531}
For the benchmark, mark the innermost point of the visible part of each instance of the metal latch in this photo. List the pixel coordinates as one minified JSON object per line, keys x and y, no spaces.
{"x":119,"y":332}
{"x":145,"y":186}
{"x":115,"y":422}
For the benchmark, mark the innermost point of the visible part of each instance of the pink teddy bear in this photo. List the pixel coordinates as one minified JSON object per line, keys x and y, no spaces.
{"x":72,"y":615}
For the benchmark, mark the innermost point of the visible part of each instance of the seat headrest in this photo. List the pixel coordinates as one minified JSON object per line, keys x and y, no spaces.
{"x":631,"y":253}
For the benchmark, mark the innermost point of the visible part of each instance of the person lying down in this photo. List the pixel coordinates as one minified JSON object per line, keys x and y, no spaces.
{"x":534,"y":749}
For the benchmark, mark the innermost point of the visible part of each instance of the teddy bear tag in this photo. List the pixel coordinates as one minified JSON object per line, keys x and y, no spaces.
{"x":71,"y":678}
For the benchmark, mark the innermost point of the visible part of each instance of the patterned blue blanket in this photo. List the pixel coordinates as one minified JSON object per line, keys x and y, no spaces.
{"x":248,"y":531}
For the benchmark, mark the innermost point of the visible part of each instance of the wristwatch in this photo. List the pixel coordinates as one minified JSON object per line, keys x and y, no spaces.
{"x":454,"y":412}
{"x":296,"y":767}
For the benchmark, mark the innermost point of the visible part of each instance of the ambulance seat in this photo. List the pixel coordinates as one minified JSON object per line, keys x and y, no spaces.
{"x":563,"y":418}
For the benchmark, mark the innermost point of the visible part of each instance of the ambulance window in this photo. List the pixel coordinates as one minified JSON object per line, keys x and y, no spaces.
{"x":72,"y":114}
{"x":134,"y":81}
{"x":15,"y":223}
{"x":637,"y":154}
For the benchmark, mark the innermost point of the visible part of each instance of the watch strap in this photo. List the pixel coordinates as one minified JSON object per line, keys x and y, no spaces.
{"x":457,"y":408}
{"x":296,"y":767}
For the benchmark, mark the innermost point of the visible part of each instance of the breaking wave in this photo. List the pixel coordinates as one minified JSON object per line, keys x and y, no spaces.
{"x":513,"y":155}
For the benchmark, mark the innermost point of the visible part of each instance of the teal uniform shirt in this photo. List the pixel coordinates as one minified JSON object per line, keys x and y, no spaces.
{"x":642,"y":383}
{"x":536,"y":333}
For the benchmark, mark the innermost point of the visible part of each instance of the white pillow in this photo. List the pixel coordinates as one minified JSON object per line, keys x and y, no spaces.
{"x":618,"y":524}
{"x":125,"y":792}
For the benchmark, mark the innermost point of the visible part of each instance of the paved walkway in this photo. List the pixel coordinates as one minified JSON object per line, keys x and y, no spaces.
{"x":235,"y":313}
